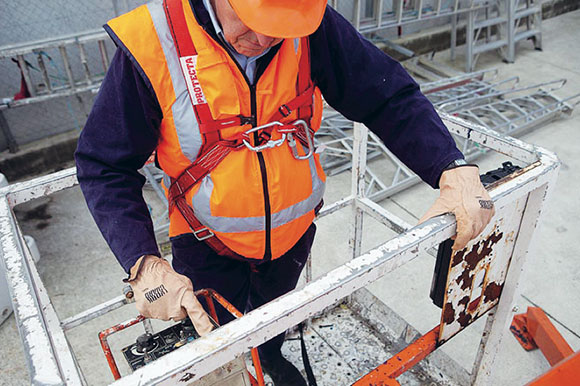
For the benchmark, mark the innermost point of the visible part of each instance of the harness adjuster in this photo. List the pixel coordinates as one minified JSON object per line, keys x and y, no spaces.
{"x":284,"y":110}
{"x":247,"y":120}
{"x":196,"y":233}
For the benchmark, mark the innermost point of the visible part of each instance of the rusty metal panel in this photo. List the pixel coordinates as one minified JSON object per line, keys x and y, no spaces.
{"x":477,"y":273}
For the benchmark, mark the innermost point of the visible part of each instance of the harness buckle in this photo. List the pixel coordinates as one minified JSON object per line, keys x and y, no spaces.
{"x":309,"y":141}
{"x":269,"y":144}
{"x":202,"y":237}
{"x":284,"y":110}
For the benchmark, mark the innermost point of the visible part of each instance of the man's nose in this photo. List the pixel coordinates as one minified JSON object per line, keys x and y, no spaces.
{"x":264,"y":41}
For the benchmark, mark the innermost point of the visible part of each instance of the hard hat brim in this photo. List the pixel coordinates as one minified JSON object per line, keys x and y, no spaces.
{"x":282,"y":20}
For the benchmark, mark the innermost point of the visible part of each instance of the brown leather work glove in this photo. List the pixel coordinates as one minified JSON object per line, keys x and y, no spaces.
{"x":162,"y":293}
{"x":462,"y":194}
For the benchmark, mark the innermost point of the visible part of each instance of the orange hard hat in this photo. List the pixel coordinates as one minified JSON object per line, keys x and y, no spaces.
{"x":280,"y":18}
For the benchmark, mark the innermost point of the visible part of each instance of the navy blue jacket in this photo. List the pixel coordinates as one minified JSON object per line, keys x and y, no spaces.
{"x":355,"y":77}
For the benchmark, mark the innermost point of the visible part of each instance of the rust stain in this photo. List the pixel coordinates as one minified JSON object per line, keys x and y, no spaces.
{"x":473,"y":305}
{"x":457,"y":258}
{"x":448,"y":314}
{"x":464,"y":318}
{"x":464,"y":301}
{"x":467,"y":278}
{"x":474,"y":257}
{"x":492,"y":291}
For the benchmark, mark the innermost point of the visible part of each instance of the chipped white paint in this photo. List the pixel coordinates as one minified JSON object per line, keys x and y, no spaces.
{"x":42,"y":364}
{"x":40,"y":187}
{"x":495,"y":265}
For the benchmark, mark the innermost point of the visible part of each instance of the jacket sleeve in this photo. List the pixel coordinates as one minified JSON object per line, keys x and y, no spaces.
{"x":120,"y":134}
{"x":365,"y":85}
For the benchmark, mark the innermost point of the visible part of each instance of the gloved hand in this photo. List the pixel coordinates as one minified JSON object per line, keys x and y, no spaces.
{"x":462,"y":194}
{"x":162,"y":293}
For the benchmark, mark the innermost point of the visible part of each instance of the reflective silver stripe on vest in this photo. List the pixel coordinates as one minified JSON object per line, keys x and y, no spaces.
{"x":201,"y":206}
{"x":166,"y":180}
{"x":183,"y":115}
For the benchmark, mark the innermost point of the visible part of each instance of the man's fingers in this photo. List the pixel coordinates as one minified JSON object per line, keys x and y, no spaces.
{"x":462,"y":238}
{"x":435,"y":210}
{"x":180,"y":316}
{"x":196,"y":313}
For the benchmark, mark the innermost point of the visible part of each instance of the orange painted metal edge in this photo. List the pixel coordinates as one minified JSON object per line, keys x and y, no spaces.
{"x":212,"y":294}
{"x":535,"y":330}
{"x":565,"y":373}
{"x":103,"y":335}
{"x":386,"y":373}
{"x":546,"y":336}
{"x":519,"y":327}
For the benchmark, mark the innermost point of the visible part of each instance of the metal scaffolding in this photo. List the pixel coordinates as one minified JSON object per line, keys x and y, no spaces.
{"x":502,"y":105}
{"x":499,"y":25}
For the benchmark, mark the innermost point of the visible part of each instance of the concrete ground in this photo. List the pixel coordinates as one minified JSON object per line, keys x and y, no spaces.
{"x":79,"y":271}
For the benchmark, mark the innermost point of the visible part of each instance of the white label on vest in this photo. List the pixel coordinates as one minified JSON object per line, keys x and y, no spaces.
{"x":189,"y":65}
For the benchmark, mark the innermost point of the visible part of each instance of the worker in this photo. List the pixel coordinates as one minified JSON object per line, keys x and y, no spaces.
{"x":228,"y":94}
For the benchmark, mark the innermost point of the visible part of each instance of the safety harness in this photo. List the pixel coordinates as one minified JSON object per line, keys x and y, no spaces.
{"x":215,"y":148}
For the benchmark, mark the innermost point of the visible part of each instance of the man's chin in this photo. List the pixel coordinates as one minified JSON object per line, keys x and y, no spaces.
{"x":249,"y":52}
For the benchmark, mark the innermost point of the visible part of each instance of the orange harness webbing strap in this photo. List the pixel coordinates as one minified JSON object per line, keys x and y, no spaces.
{"x":211,"y":153}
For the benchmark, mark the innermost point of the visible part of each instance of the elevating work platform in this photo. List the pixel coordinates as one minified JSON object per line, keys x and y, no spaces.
{"x":483,"y":278}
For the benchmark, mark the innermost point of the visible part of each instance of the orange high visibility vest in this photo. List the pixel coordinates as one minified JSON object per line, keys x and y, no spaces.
{"x":257,"y":203}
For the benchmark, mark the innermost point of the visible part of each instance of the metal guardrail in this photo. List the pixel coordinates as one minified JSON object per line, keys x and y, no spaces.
{"x":519,"y":201}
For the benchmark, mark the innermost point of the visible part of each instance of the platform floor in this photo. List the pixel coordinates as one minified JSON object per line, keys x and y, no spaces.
{"x":79,"y":271}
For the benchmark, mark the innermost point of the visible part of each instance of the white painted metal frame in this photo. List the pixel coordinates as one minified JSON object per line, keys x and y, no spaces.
{"x":52,"y":362}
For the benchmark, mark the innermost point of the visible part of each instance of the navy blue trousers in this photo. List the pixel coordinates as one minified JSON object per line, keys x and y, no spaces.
{"x":246,"y":285}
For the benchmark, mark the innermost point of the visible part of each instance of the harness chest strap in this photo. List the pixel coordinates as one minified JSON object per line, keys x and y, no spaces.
{"x":215,"y":149}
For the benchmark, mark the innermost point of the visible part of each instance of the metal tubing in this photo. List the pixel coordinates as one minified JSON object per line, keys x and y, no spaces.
{"x":382,"y":215}
{"x":358,"y":186}
{"x":356,"y":16}
{"x":67,"y":68}
{"x":469,"y":41}
{"x":43,"y":71}
{"x":47,"y":352}
{"x":103,"y":335}
{"x":379,"y":12}
{"x":402,"y":361}
{"x":8,"y":136}
{"x":94,"y":312}
{"x":453,"y":46}
{"x":26,"y":74}
{"x":85,"y":64}
{"x":104,"y":55}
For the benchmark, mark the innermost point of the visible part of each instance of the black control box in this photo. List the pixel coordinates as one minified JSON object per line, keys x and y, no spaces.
{"x":149,"y":347}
